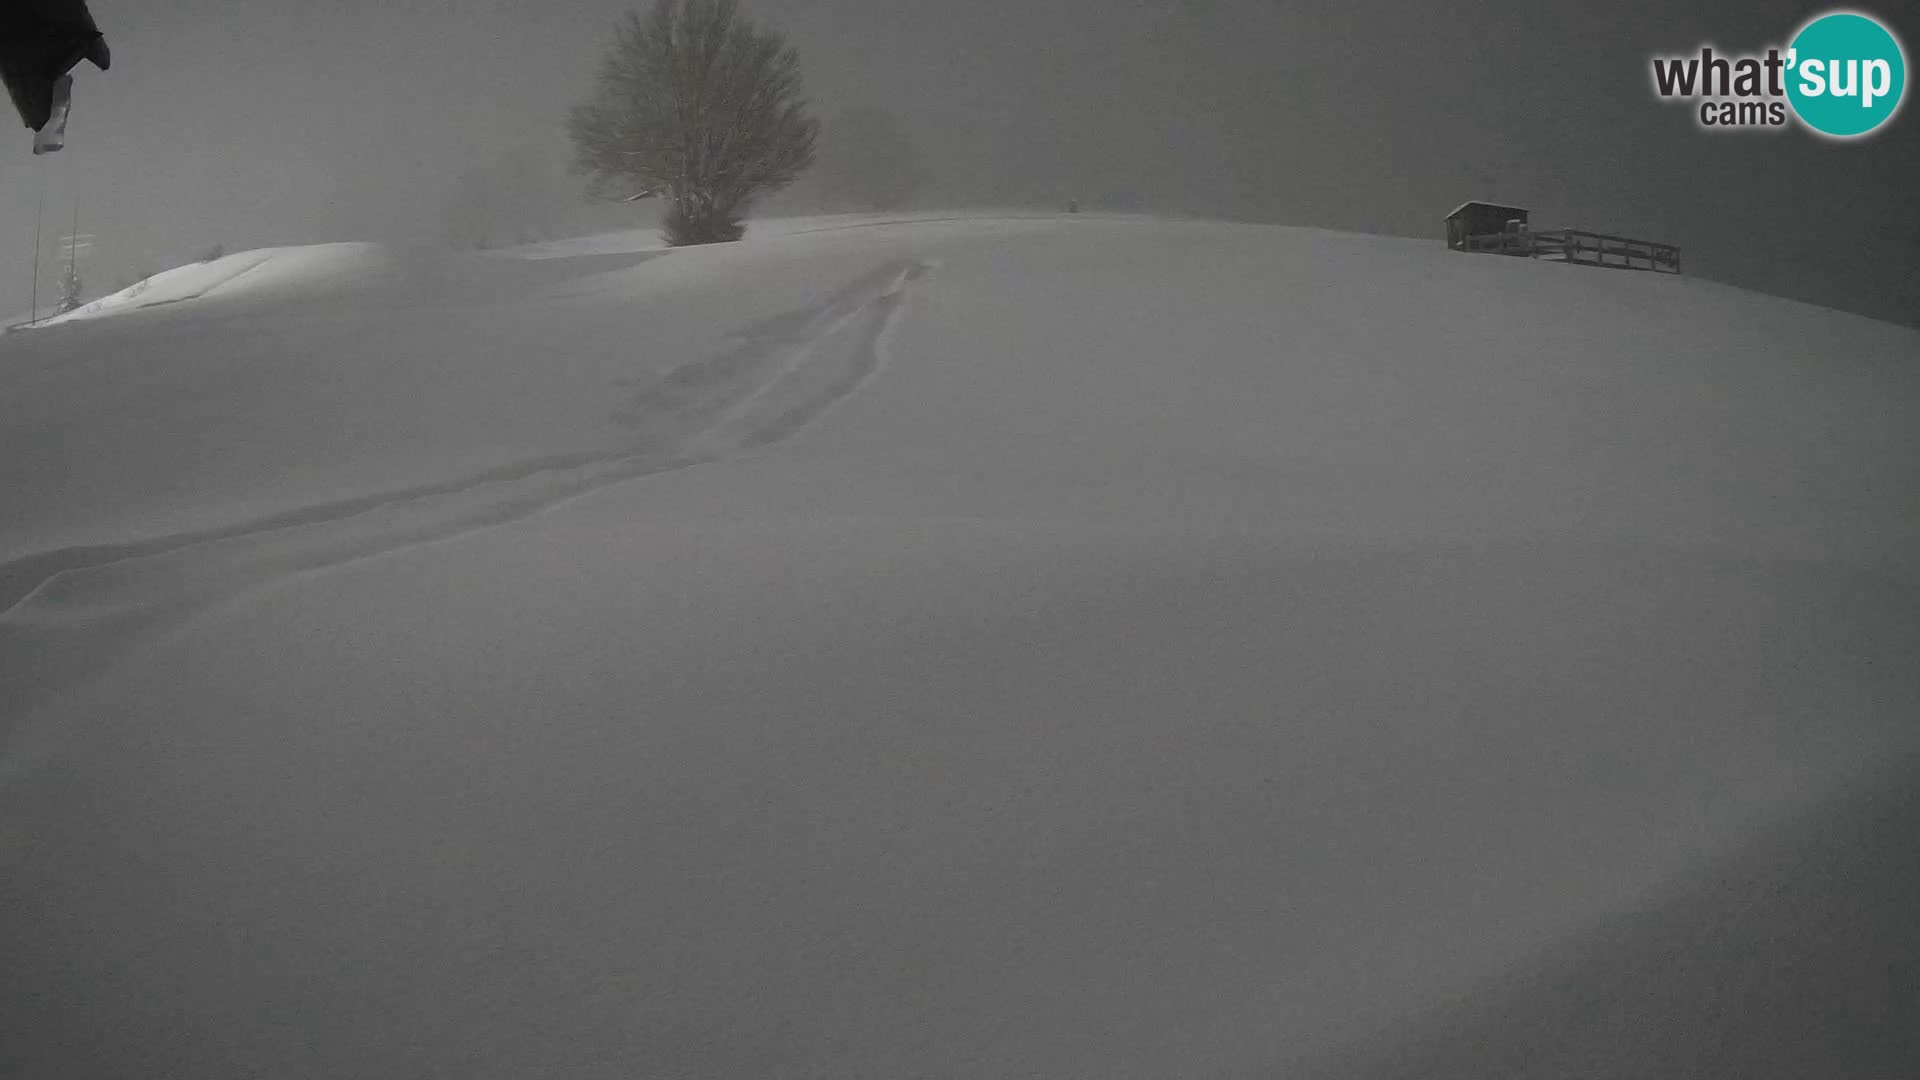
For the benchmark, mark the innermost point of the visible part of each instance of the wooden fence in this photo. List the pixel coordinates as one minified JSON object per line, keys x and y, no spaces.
{"x":1579,"y":246}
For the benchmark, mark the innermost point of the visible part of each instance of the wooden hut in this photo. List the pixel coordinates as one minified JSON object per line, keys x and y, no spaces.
{"x":1494,"y":229}
{"x":1479,"y":219}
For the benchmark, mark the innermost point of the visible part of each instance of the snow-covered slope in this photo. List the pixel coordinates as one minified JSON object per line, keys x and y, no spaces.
{"x":639,"y":240}
{"x":262,"y":271}
{"x":976,"y":647}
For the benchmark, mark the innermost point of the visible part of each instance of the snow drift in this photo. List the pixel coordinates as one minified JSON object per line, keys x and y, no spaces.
{"x":256,"y":272}
{"x":967,"y":648}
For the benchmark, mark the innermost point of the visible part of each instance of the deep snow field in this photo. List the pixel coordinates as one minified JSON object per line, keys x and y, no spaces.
{"x":978,"y":646}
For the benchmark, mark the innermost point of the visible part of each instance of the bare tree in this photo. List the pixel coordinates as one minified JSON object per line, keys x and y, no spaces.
{"x":701,"y":106}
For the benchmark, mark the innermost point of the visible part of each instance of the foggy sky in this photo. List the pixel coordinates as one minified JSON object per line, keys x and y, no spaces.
{"x":255,"y":122}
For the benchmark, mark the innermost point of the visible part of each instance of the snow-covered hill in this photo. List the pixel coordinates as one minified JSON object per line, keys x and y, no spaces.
{"x":250,"y":274}
{"x":980,"y":646}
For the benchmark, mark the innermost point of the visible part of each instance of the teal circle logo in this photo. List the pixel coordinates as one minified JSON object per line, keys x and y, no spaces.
{"x":1847,"y":74}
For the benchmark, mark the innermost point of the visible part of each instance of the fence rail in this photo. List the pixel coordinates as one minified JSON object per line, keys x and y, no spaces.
{"x":1579,"y":246}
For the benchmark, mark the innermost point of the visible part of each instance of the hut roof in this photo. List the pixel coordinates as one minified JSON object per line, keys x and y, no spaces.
{"x":1488,"y":204}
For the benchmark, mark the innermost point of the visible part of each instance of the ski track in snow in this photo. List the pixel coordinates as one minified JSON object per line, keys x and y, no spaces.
{"x":58,"y":608}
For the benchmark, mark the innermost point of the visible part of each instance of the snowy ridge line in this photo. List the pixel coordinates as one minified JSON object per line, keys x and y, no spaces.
{"x":212,"y":287}
{"x":125,"y":299}
{"x":845,"y":227}
{"x":61,"y":599}
{"x":647,"y":241}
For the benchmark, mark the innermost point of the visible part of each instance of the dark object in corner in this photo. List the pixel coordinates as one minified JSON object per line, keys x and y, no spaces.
{"x":41,"y":40}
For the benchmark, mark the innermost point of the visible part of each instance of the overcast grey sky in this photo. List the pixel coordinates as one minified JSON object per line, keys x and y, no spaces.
{"x":252,"y":122}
